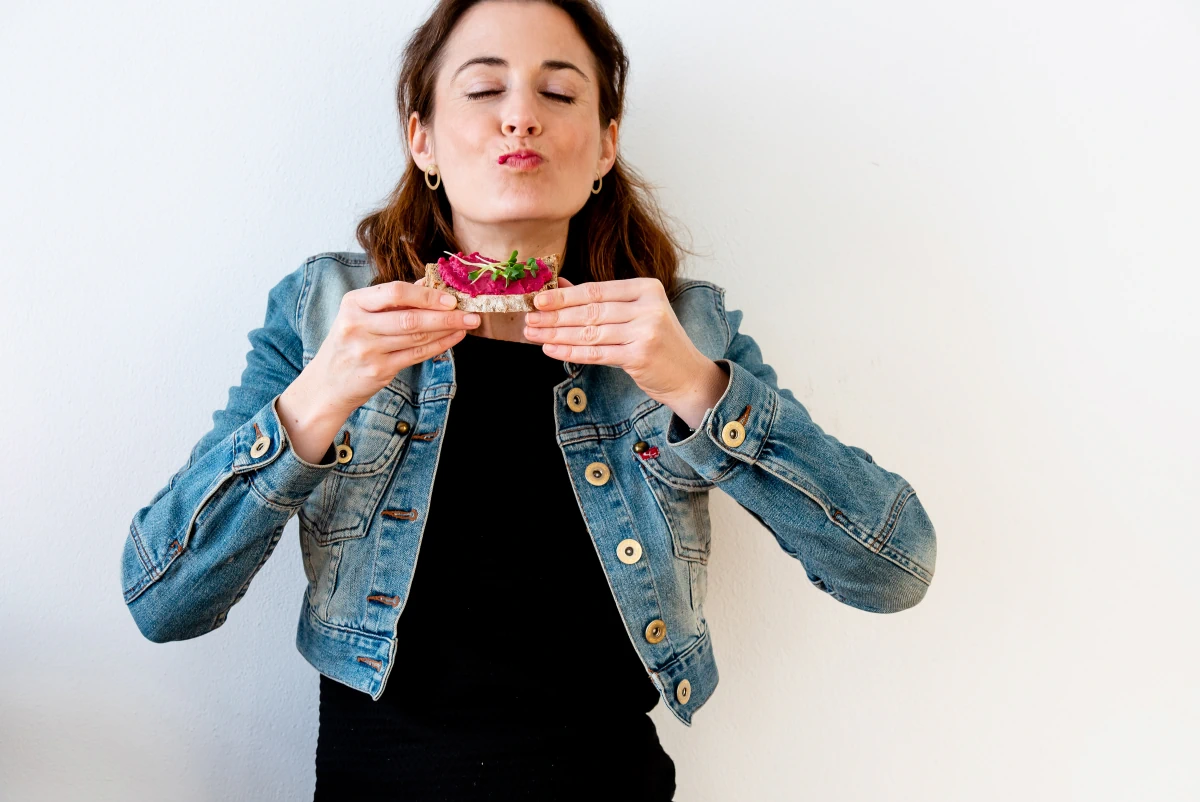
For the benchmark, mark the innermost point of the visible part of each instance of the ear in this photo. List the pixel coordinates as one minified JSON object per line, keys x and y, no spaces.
{"x":420,"y":142}
{"x":608,"y":148}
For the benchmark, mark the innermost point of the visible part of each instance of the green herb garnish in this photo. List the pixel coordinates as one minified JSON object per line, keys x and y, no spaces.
{"x":512,"y":270}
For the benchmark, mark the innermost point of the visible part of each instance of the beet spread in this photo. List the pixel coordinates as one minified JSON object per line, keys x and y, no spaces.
{"x":455,"y":274}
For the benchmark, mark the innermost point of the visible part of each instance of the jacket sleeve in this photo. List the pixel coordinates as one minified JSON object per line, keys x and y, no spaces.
{"x":860,"y":531}
{"x":191,"y":552}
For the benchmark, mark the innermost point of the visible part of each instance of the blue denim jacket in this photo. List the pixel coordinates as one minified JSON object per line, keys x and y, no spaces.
{"x":641,"y":478}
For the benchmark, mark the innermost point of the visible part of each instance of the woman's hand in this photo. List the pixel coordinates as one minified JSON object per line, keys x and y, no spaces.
{"x":628,"y":323}
{"x":378,"y":332}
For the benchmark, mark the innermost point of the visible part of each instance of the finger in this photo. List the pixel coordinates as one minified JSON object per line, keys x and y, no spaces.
{"x":395,"y":294}
{"x":586,"y":354}
{"x":393,"y":322}
{"x":586,"y":314}
{"x":562,"y":282}
{"x":426,"y":350}
{"x":403,"y":342}
{"x":607,"y":334}
{"x":627,"y":289}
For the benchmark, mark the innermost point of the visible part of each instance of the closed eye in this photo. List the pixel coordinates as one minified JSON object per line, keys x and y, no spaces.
{"x":489,"y":92}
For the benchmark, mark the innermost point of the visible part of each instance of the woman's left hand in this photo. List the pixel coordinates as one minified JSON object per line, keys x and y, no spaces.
{"x":627,"y":323}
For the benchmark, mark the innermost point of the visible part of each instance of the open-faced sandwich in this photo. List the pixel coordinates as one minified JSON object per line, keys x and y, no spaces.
{"x":486,"y":285}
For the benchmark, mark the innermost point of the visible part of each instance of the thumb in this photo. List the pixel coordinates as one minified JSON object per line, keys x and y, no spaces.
{"x":563,"y":282}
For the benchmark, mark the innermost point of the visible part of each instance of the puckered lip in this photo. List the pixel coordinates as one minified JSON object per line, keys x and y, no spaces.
{"x":524,"y":153}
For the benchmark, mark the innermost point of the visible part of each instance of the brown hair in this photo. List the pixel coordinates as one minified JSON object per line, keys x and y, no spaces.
{"x":619,"y":233}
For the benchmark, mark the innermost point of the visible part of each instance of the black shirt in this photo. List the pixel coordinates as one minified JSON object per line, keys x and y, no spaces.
{"x":509,"y":626}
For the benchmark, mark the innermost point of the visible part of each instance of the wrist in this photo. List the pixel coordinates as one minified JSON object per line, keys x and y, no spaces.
{"x":709,"y":382}
{"x":311,"y":419}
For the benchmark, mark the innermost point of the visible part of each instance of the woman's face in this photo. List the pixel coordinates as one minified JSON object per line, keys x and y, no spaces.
{"x":535,"y":91}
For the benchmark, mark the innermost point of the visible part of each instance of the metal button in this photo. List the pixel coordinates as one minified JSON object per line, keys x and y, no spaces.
{"x":402,"y":427}
{"x":656,"y":630}
{"x":683,"y":691}
{"x":629,"y":551}
{"x":344,"y":453}
{"x":577,"y":399}
{"x":640,"y":446}
{"x":597,"y":473}
{"x":733,"y":434}
{"x":260,"y":446}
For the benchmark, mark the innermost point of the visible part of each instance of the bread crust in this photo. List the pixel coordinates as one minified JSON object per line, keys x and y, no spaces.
{"x":493,"y":303}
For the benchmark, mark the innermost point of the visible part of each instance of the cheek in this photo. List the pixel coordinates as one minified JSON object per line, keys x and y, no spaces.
{"x":578,"y":150}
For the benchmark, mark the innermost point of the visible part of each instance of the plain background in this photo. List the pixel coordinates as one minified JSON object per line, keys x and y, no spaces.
{"x":964,"y":233}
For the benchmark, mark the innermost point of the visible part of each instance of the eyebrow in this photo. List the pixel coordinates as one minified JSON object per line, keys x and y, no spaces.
{"x":496,"y":61}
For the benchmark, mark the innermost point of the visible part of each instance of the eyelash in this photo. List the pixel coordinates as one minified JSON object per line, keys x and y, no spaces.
{"x":552,"y":95}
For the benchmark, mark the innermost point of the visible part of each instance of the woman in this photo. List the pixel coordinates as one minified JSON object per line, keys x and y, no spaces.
{"x":511,"y":673}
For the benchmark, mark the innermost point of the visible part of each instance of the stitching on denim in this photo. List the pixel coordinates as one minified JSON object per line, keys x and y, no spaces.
{"x":744,"y":416}
{"x":693,"y":555}
{"x":889,"y":523}
{"x":143,"y":554}
{"x":271,"y":544}
{"x":854,"y":535}
{"x":725,"y":319}
{"x":339,"y":256}
{"x":902,"y":559}
{"x":265,"y":498}
{"x":685,"y":283}
{"x":300,"y":313}
{"x":752,"y":459}
{"x":403,"y":515}
{"x":654,"y":584}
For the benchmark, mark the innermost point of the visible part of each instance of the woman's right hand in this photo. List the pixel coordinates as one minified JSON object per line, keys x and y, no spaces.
{"x":381,"y":330}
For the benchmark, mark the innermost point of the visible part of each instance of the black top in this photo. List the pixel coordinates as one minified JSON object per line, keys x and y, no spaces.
{"x":509,"y":630}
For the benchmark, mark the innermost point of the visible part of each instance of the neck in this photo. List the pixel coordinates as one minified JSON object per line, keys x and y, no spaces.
{"x":528,"y":238}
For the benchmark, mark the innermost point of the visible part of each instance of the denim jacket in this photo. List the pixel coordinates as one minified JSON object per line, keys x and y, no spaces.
{"x":641,"y":479}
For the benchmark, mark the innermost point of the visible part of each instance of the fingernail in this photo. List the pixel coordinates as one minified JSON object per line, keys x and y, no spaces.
{"x":448,"y":300}
{"x":533,"y":317}
{"x":471,"y":319}
{"x":539,"y":300}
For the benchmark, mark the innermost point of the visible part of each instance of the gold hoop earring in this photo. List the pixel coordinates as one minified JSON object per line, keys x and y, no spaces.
{"x":432,"y":170}
{"x":596,"y":189}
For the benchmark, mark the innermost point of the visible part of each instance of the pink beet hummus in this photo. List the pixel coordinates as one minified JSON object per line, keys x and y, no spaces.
{"x":455,"y":274}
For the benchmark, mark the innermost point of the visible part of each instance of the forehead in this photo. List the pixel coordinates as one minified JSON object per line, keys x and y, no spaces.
{"x":522,"y":32}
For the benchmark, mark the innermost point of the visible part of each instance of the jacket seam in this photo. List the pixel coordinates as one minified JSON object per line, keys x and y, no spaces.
{"x":301,"y":311}
{"x":276,"y":534}
{"x":143,"y":555}
{"x":337,"y":256}
{"x":735,"y":461}
{"x":877,"y":542}
{"x":262,"y":496}
{"x":683,"y":284}
{"x":724,"y":318}
{"x":851,"y":535}
{"x":657,"y":596}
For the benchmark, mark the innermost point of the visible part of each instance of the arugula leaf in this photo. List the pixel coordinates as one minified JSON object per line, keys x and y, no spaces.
{"x":508,"y":270}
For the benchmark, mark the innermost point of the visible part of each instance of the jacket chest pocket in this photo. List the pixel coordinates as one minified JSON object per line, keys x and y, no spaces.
{"x":681,"y":493}
{"x":368,"y":445}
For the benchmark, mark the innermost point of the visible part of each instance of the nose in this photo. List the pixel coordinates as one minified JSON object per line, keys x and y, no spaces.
{"x":520,"y":116}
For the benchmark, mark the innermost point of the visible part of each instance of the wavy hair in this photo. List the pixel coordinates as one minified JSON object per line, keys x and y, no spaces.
{"x":622,"y":232}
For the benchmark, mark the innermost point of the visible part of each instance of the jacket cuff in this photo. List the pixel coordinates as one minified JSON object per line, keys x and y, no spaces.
{"x":715,"y":448}
{"x":262,"y":450}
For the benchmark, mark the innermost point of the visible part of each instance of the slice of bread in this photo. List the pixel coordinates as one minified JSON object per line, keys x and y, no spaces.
{"x":493,"y":303}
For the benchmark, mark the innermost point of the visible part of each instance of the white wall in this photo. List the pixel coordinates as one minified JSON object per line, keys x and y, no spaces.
{"x":965,"y":234}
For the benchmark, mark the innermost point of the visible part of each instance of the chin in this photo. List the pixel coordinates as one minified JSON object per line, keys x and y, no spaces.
{"x":516,"y":211}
